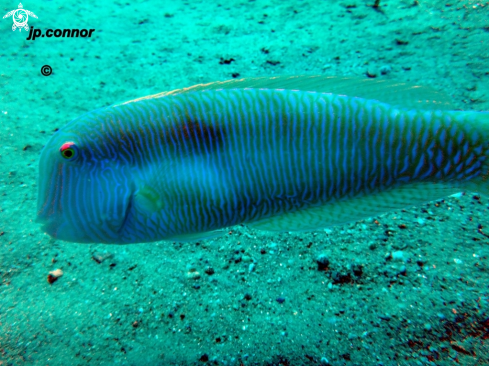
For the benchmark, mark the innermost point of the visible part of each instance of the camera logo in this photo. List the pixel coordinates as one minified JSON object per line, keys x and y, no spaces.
{"x":20,"y":17}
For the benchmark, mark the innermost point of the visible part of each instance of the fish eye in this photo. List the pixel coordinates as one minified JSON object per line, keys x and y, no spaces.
{"x":68,"y":150}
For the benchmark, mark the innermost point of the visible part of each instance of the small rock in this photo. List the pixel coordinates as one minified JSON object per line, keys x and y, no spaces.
{"x":402,"y":270}
{"x":324,"y":361}
{"x":209,"y":270}
{"x":398,"y":255}
{"x":323,"y":262}
{"x":371,"y":72}
{"x":237,"y":258}
{"x":247,"y":297}
{"x":247,"y":259}
{"x":340,"y":278}
{"x":357,"y":269}
{"x":386,"y":69}
{"x":54,"y":275}
{"x":193,"y":275}
{"x":100,"y":257}
{"x":401,"y":42}
{"x":280,"y":300}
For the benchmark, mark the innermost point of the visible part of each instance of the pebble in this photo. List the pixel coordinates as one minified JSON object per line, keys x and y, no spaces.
{"x":209,"y":271}
{"x":398,"y":255}
{"x":54,"y":275}
{"x":247,"y":259}
{"x":323,"y":262}
{"x":280,"y":300}
{"x":357,"y":269}
{"x":371,"y":72}
{"x":402,"y":270}
{"x":386,"y":69}
{"x":427,"y":326}
{"x":324,"y":361}
{"x":193,"y":275}
{"x":100,"y":257}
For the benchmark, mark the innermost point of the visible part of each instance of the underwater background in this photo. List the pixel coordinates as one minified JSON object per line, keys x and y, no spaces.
{"x":409,"y":287}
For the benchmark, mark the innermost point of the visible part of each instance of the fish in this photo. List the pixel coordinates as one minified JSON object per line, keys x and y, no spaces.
{"x":278,"y":154}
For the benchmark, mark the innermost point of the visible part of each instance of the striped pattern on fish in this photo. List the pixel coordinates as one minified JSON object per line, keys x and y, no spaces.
{"x":181,"y":165}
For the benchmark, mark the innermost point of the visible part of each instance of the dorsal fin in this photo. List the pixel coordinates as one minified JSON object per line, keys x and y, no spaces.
{"x":395,"y":93}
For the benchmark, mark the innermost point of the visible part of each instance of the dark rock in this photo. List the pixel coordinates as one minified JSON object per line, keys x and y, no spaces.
{"x":323,"y":262}
{"x":357,"y":269}
{"x":338,"y":277}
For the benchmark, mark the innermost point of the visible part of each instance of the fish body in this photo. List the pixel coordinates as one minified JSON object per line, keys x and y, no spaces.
{"x":279,"y":154}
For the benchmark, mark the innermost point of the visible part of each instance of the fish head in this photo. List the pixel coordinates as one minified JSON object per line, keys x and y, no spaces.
{"x":84,"y":188}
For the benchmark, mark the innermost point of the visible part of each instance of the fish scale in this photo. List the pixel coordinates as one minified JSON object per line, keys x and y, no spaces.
{"x":278,"y":154}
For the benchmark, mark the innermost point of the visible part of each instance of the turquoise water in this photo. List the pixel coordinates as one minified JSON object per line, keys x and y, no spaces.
{"x":405,"y":288}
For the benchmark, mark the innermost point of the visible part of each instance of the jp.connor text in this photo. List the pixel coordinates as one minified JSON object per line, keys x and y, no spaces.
{"x":65,"y":33}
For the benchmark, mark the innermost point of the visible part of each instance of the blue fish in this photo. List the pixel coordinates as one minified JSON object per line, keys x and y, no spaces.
{"x":287,"y":153}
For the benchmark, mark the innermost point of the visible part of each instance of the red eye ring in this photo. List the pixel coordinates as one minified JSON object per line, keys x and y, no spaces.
{"x":68,"y":150}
